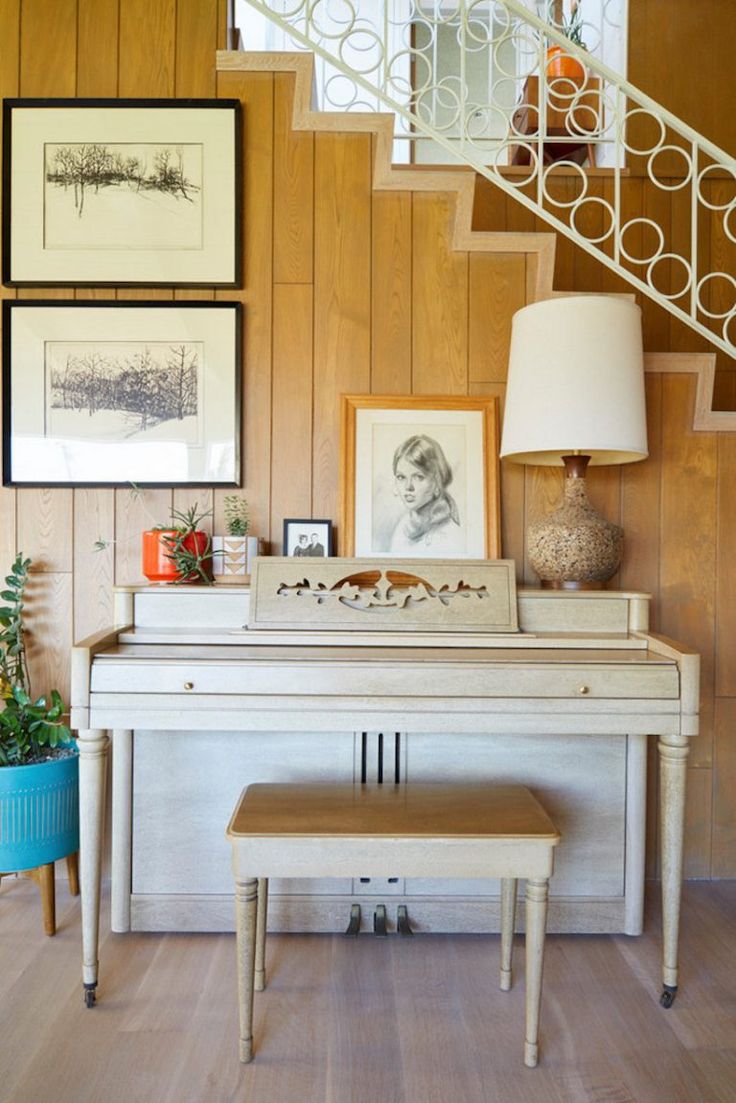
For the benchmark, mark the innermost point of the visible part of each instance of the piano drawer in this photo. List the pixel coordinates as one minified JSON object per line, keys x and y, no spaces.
{"x":634,"y":680}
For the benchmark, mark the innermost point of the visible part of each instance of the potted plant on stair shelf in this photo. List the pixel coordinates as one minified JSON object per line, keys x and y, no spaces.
{"x":39,"y":786}
{"x":180,"y":552}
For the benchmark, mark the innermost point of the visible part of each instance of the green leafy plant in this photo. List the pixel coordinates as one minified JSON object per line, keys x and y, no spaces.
{"x":189,"y":548}
{"x":237,"y":515}
{"x":572,"y":28}
{"x":27,"y":727}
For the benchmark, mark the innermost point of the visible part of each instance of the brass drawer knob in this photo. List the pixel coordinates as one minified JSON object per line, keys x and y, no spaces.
{"x":584,"y":689}
{"x":189,"y":685}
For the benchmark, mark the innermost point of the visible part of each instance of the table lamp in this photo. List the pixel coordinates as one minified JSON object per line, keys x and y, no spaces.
{"x":575,"y":396}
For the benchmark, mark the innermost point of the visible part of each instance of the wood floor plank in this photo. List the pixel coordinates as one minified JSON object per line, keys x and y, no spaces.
{"x":357,"y":1021}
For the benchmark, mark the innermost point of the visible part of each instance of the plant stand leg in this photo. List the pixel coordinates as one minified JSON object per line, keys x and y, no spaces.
{"x":44,"y":878}
{"x":72,"y":872}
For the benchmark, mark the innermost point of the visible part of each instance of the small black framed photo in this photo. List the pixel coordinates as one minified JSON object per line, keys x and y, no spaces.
{"x":122,"y":192}
{"x":109,"y":393}
{"x":307,"y":537}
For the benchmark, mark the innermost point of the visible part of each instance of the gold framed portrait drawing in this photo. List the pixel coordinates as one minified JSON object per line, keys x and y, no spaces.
{"x":420,"y":477}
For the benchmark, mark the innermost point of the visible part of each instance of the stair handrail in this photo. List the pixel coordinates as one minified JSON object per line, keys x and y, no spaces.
{"x":536,"y":144}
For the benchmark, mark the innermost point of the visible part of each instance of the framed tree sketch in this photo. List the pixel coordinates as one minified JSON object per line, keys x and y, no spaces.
{"x":420,"y":477}
{"x":122,"y":192}
{"x":102,"y":393}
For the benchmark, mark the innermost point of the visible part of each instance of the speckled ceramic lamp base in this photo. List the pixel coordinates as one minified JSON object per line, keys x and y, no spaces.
{"x":575,"y":548}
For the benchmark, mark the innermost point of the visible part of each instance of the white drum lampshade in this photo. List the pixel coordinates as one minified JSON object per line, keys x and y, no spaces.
{"x":575,"y":395}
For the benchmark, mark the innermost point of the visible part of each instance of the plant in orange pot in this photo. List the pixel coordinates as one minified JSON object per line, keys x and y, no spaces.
{"x":560,"y":63}
{"x":181,"y":552}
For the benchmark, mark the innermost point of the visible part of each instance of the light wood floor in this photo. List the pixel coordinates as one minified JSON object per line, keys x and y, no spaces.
{"x":367,"y":1020}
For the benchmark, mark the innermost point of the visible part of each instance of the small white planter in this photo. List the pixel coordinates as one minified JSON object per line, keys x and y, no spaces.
{"x":233,"y":555}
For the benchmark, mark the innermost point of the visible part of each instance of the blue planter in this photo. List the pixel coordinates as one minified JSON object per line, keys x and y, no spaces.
{"x":39,"y":813}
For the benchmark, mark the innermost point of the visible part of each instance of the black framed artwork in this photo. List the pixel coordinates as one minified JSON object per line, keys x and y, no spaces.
{"x":307,"y":537}
{"x":122,"y":192}
{"x":99,"y":393}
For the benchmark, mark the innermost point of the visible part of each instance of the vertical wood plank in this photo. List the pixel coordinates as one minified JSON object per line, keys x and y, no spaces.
{"x":724,"y":787}
{"x":196,"y":43}
{"x":256,"y":92}
{"x":147,"y":47}
{"x":48,"y":48}
{"x":725,"y":684}
{"x":48,"y":618}
{"x":94,"y":569}
{"x":698,"y":823}
{"x":391,"y":275}
{"x":293,"y":191}
{"x":440,"y":300}
{"x":97,"y":47}
{"x":9,"y":82}
{"x":688,"y":560}
{"x":291,"y":475}
{"x":497,"y":290}
{"x":641,"y":492}
{"x":342,"y":281}
{"x":136,"y":511}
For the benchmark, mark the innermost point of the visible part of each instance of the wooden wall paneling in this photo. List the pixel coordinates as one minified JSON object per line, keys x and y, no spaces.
{"x":97,"y":47}
{"x":590,"y":223}
{"x":724,"y":390}
{"x":682,"y":337}
{"x":439,"y":300}
{"x":725,"y":679}
{"x":49,"y":622}
{"x":641,"y":505}
{"x":293,"y":397}
{"x":48,"y":65}
{"x":519,"y":219}
{"x":512,"y":491}
{"x":256,"y":92}
{"x":94,"y":568}
{"x":724,"y":786}
{"x":489,"y":205}
{"x":689,"y":528}
{"x":342,"y":282}
{"x":391,"y":294}
{"x":147,"y":47}
{"x":135,"y":511}
{"x":195,"y":46}
{"x":497,"y":289}
{"x":224,"y":18}
{"x":698,"y":823}
{"x":293,"y":190}
{"x":48,"y":48}
{"x":560,"y":189}
{"x":9,"y":77}
{"x":657,"y":206}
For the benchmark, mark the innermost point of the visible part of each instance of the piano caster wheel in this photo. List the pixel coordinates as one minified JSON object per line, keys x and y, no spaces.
{"x":668,"y":995}
{"x":89,"y":995}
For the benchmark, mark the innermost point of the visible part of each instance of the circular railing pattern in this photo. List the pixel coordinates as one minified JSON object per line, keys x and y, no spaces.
{"x":474,"y":80}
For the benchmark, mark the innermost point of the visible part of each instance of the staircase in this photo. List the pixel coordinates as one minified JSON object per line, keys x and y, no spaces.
{"x":544,"y":106}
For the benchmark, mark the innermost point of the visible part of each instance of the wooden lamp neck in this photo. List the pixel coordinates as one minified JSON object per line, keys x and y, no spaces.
{"x":575,"y":466}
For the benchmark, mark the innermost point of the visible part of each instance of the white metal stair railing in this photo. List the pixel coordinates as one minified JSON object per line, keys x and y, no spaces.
{"x":383,"y":53}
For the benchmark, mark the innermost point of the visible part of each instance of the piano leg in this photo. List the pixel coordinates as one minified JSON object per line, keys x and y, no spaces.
{"x":673,"y":751}
{"x":92,"y":744}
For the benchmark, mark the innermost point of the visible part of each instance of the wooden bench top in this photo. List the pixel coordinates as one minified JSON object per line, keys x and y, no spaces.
{"x":413,"y":811}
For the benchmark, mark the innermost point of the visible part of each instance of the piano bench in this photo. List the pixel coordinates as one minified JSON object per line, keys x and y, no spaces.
{"x":385,"y":831}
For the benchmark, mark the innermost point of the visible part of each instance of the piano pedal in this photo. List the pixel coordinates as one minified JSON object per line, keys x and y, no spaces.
{"x":379,"y":921}
{"x":353,"y":928}
{"x":403,"y":926}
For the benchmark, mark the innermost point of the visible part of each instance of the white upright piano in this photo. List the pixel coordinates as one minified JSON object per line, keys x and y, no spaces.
{"x":196,"y":705}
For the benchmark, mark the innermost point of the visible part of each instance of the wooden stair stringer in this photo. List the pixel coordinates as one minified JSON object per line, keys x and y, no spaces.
{"x":459,"y":183}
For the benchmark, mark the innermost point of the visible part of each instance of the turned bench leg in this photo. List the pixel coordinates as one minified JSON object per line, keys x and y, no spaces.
{"x":246,"y":893}
{"x":536,"y":920}
{"x":261,"y":924}
{"x":508,"y":923}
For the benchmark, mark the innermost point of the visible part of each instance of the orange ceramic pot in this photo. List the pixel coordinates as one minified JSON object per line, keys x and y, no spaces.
{"x":560,"y":64}
{"x":157,"y":564}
